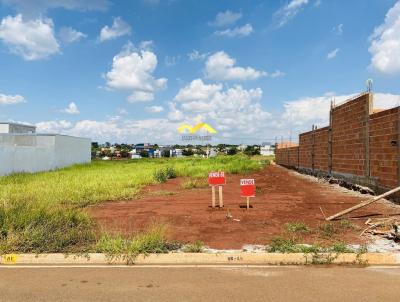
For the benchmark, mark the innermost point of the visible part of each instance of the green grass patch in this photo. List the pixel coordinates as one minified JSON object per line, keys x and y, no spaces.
{"x":297,"y":227}
{"x":195,"y":183}
{"x":195,"y":247}
{"x":118,"y":248}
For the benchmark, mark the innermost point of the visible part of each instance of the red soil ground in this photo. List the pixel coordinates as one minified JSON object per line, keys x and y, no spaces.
{"x":283,"y":196}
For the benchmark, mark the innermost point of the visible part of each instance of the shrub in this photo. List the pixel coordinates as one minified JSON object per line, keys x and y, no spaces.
{"x":162,"y":175}
{"x":196,"y":247}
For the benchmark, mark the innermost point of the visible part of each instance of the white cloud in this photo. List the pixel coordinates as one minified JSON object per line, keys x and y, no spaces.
{"x":53,"y":126}
{"x":242,"y":31}
{"x":196,"y":55}
{"x":386,"y":100}
{"x":133,"y":71}
{"x":225,"y":18}
{"x":220,"y":66}
{"x":385,"y":43}
{"x":146,"y":45}
{"x":338,"y":30}
{"x":71,"y":109}
{"x":234,"y":112}
{"x":122,"y":111}
{"x":289,"y":11}
{"x":31,"y":39}
{"x":39,"y":7}
{"x":70,"y":35}
{"x":170,"y":60}
{"x":331,"y":55}
{"x":119,"y":28}
{"x":154,"y":109}
{"x":11,"y":99}
{"x":197,"y":91}
{"x":277,"y":74}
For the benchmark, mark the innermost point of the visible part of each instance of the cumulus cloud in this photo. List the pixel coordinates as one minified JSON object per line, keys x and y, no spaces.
{"x":220,"y":66}
{"x":133,"y":71}
{"x":241,"y":31}
{"x":71,"y":109}
{"x":332,"y":54}
{"x":70,"y":35}
{"x":225,"y":18}
{"x":154,"y":109}
{"x":31,"y":39}
{"x":233,"y":111}
{"x":385,"y":43}
{"x":289,"y":11}
{"x":119,"y":28}
{"x":11,"y":99}
{"x":53,"y":126}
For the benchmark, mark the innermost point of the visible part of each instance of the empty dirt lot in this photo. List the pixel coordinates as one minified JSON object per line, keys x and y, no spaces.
{"x":282,"y":196}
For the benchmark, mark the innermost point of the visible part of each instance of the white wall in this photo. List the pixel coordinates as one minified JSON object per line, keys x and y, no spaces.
{"x":35,"y":153}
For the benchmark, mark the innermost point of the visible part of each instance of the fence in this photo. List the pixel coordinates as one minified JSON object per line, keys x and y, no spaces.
{"x":37,"y":152}
{"x":359,"y":145}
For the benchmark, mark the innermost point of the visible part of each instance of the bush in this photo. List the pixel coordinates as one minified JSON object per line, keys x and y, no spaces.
{"x":196,"y":247}
{"x":162,"y":175}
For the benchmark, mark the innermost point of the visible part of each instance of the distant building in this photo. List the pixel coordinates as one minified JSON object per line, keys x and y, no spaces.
{"x":6,"y":127}
{"x":267,"y":149}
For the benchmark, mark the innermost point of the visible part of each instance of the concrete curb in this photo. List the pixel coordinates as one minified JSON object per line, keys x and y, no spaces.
{"x":241,"y":258}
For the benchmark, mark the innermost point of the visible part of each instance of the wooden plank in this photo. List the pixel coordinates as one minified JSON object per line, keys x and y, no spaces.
{"x":221,"y":201}
{"x":363,"y":204}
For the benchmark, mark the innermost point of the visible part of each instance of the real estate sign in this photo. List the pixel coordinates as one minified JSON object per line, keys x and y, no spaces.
{"x":216,"y":178}
{"x":247,"y":188}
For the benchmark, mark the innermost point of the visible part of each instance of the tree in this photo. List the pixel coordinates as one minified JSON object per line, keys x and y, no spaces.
{"x":144,"y":153}
{"x":187,"y":152}
{"x":231,"y":151}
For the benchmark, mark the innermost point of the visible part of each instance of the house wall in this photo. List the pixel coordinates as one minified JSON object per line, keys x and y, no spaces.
{"x":35,"y":153}
{"x":358,"y":146}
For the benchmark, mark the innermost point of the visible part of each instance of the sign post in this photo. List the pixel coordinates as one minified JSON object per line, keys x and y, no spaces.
{"x":216,"y":179}
{"x":247,"y":189}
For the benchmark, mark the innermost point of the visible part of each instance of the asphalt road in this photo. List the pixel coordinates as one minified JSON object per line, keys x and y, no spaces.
{"x":199,"y":284}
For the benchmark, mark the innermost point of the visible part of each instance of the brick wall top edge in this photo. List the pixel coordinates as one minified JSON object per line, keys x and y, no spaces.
{"x":383,"y":113}
{"x":351,"y":101}
{"x":326,"y":128}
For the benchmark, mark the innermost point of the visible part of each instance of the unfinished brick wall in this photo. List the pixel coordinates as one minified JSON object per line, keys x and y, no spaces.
{"x":287,"y":156}
{"x":305,"y":150}
{"x":321,"y":149}
{"x":360,"y":146}
{"x":384,"y":150}
{"x":349,"y":136}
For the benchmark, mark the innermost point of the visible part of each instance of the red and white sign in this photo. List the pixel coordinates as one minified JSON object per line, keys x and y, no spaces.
{"x":247,"y":188}
{"x":216,"y":178}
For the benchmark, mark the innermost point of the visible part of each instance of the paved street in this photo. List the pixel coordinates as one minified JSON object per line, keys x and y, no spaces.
{"x":199,"y":284}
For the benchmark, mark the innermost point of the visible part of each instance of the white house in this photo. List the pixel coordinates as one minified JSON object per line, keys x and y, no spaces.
{"x":267,"y":150}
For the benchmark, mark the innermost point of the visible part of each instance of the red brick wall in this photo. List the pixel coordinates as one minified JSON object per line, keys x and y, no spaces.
{"x":305,"y":150}
{"x":359,"y":140}
{"x":349,"y":136}
{"x":287,"y":156}
{"x":321,"y":149}
{"x":383,"y":155}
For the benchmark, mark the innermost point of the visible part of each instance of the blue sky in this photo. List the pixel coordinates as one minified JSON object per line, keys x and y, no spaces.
{"x":132,"y":71}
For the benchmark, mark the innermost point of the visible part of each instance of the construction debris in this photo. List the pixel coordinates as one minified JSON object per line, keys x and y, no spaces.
{"x":385,"y":227}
